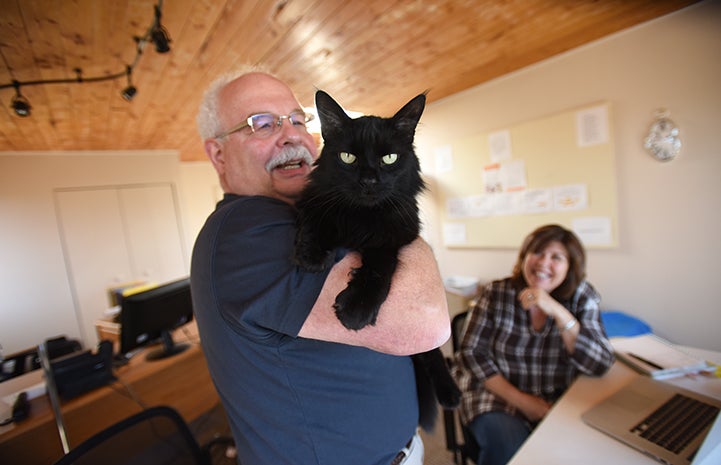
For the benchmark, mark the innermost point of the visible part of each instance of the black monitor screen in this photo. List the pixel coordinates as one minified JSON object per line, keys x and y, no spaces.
{"x":150,"y":315}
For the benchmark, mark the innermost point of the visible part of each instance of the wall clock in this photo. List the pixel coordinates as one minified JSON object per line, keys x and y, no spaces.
{"x":662,"y":141}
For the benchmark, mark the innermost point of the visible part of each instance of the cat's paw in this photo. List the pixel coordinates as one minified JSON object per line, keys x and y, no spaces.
{"x":352,"y":312}
{"x":313,"y":261}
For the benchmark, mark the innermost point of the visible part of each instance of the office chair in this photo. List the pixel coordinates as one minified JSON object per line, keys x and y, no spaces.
{"x":155,"y":436}
{"x":467,"y":449}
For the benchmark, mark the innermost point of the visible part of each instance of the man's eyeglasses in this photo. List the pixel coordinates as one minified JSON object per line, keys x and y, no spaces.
{"x":265,"y":124}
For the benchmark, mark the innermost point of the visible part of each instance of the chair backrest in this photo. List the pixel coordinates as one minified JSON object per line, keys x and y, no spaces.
{"x":468,"y":449}
{"x":458,"y":325}
{"x":618,"y":323}
{"x":156,"y":436}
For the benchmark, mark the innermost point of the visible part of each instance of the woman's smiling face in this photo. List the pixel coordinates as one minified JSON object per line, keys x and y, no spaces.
{"x":546,"y":268}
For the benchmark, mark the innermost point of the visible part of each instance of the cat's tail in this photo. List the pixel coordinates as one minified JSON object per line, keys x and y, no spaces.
{"x":434,"y":386}
{"x":427,"y":401}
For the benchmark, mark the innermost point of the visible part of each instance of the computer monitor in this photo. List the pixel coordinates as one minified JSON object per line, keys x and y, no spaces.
{"x":153,"y":314}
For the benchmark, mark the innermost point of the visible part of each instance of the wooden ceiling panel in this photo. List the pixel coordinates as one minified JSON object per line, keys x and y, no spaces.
{"x":372,"y":55}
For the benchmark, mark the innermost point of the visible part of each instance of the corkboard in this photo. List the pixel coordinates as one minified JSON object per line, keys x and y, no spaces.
{"x":496,"y":187}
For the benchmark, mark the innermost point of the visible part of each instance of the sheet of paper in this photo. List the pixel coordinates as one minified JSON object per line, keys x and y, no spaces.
{"x":491,"y":176}
{"x":444,"y":158}
{"x":513,"y":176}
{"x":480,"y":205}
{"x":570,"y":197}
{"x":457,"y":207}
{"x":593,"y":230}
{"x":509,"y":203}
{"x":454,"y":233}
{"x":499,"y":145}
{"x":592,"y":126}
{"x":656,"y":354}
{"x":538,"y":200}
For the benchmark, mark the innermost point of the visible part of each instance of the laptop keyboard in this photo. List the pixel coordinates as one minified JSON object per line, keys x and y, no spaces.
{"x":674,"y":424}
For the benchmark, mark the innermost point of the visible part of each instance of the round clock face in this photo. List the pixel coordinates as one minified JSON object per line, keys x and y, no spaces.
{"x":662,"y":140}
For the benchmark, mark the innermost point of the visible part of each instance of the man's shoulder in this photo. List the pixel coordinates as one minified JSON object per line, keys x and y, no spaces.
{"x":251,"y":201}
{"x":252,"y":210}
{"x":236,"y":218}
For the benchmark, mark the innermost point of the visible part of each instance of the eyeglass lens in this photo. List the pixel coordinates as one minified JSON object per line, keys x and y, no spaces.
{"x":264,"y":124}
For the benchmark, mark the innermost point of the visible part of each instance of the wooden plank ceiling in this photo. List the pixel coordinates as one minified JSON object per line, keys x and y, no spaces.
{"x":372,"y":55}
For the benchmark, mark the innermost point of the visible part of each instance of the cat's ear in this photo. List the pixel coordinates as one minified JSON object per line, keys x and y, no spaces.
{"x":407,"y":117}
{"x":332,"y":116}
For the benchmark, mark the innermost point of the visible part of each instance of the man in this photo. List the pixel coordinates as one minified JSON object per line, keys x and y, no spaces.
{"x":298,"y":387}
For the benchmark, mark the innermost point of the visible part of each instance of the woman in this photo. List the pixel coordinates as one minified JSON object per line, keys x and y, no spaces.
{"x":526,"y":340}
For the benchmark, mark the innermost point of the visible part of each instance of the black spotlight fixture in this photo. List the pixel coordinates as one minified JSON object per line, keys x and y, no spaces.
{"x":158,"y":34}
{"x":129,"y":92}
{"x":19,"y":103}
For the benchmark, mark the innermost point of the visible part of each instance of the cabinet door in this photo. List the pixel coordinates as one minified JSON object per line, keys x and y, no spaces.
{"x":96,"y":254}
{"x":153,"y":232}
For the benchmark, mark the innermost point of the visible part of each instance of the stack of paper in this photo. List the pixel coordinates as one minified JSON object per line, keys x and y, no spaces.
{"x":656,"y":357}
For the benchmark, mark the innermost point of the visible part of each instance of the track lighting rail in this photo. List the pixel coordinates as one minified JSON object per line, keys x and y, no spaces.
{"x":156,"y":34}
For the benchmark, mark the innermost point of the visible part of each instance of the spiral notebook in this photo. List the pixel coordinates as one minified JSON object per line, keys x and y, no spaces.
{"x":656,"y":357}
{"x":669,"y":423}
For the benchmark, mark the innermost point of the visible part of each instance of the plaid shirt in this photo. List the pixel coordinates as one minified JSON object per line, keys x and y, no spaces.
{"x":498,"y":339}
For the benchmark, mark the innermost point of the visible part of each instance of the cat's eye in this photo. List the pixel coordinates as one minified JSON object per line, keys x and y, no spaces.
{"x":390,"y":158}
{"x":347,"y":158}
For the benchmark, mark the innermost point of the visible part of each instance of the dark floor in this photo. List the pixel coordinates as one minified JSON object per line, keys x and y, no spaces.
{"x":212,"y":428}
{"x":435,"y":445}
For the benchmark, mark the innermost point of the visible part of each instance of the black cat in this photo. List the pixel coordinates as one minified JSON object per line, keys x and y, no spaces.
{"x":362,"y":196}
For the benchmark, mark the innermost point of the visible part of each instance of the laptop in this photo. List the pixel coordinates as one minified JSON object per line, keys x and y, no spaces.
{"x":668,"y":423}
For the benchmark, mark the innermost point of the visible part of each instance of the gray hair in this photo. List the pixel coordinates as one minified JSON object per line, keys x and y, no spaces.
{"x":207,"y":119}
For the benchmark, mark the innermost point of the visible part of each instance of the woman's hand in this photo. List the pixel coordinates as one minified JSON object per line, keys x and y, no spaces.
{"x":534,"y":408}
{"x":535,"y":297}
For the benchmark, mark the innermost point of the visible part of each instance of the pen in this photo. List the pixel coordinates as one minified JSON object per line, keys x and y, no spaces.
{"x":647,"y":362}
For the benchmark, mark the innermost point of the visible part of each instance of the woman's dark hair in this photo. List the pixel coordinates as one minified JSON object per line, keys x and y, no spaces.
{"x":537,"y":241}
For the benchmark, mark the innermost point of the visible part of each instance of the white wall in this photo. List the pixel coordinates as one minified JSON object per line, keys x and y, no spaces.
{"x":667,"y":266}
{"x":199,"y":192}
{"x":37,"y":301}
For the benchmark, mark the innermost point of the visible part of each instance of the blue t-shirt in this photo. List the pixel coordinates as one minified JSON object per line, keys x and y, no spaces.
{"x":289,"y":400}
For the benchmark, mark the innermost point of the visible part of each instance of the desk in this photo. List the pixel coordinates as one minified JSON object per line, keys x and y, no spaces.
{"x":181,"y":381}
{"x":563,"y":438}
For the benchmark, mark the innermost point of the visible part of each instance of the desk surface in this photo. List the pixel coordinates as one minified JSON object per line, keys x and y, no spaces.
{"x":181,"y":381}
{"x":562,"y":437}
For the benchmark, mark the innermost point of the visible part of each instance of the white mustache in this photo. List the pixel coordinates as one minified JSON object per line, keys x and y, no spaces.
{"x":287,"y":154}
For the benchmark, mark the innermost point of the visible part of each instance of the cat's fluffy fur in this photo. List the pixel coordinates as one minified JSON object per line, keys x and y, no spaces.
{"x":362,"y":196}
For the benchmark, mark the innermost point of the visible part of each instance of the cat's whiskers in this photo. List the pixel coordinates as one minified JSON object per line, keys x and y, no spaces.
{"x":404,"y":209}
{"x":327,"y":202}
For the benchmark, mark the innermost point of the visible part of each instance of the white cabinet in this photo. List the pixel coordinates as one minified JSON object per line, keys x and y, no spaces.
{"x":153,"y":232}
{"x":116,"y":234}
